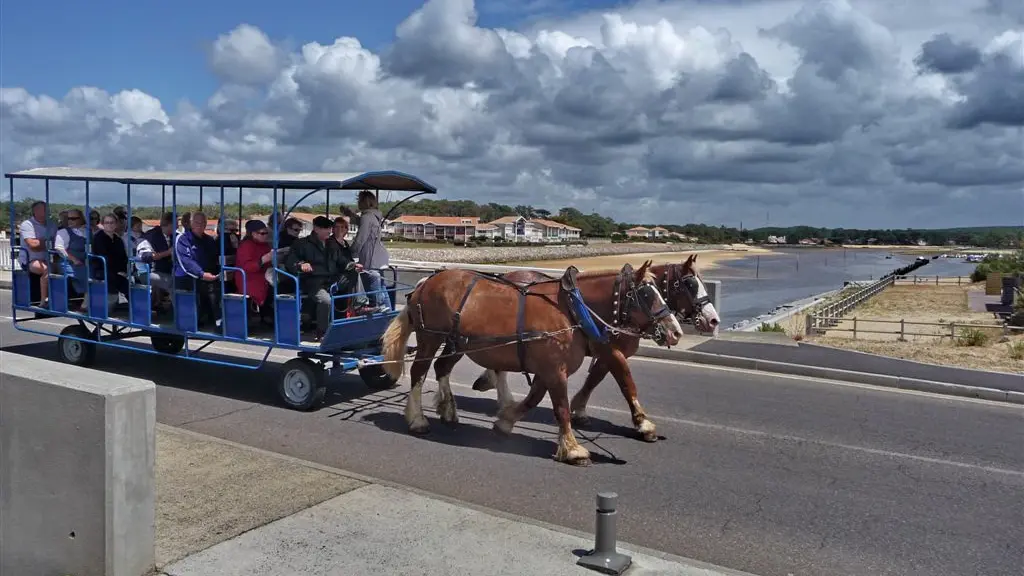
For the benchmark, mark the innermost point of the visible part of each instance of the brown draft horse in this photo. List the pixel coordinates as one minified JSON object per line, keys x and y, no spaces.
{"x":507,"y":327}
{"x":685,"y":293}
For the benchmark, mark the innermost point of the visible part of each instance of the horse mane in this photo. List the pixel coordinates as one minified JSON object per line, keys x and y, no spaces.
{"x":648,"y":275}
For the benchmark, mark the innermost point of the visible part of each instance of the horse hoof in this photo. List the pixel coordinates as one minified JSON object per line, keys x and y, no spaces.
{"x":501,"y":428}
{"x":482,"y":384}
{"x":647,"y":431}
{"x":419,"y":427}
{"x":583,"y":462}
{"x":581,"y":420}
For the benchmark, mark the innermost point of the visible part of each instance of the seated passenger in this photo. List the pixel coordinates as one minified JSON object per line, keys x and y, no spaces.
{"x":290,"y":232}
{"x":35,"y":234}
{"x":254,"y":256}
{"x":196,"y":268}
{"x":70,"y":243}
{"x":320,"y":264}
{"x":111,"y":247}
{"x":154,"y":249}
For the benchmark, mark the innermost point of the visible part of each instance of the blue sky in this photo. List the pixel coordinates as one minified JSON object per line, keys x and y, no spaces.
{"x":160,"y":48}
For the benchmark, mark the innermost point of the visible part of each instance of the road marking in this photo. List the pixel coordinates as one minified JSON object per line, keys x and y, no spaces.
{"x":829,"y":381}
{"x":231,"y":347}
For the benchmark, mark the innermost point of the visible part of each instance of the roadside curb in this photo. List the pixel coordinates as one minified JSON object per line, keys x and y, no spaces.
{"x":873,"y":379}
{"x":622,"y":545}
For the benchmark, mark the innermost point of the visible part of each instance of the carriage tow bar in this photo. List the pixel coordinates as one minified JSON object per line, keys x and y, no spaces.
{"x":604,"y":557}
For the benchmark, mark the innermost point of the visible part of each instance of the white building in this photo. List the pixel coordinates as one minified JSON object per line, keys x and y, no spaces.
{"x":520,"y":229}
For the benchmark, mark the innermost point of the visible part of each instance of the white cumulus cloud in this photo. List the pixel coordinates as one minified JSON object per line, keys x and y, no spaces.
{"x":830,"y":112}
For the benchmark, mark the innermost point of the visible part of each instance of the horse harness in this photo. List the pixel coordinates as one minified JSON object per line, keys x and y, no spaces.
{"x":673,"y":280}
{"x":626,"y":294}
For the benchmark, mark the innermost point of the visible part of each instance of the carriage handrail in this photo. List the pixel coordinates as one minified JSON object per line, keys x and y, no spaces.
{"x":298,"y":299}
{"x":245,"y":291}
{"x":89,"y":255}
{"x":146,"y":271}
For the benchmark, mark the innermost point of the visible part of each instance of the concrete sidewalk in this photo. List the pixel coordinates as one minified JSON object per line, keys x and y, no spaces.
{"x":225,"y":509}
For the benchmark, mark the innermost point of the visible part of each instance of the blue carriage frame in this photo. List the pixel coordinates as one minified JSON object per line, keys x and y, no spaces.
{"x":346,"y":345}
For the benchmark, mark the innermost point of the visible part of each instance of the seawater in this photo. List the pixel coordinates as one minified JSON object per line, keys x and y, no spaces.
{"x":751,"y":288}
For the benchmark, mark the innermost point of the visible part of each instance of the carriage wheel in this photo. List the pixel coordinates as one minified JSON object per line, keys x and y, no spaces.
{"x":167,"y":344}
{"x":376,"y":378}
{"x":76,"y":352}
{"x":302,"y":385}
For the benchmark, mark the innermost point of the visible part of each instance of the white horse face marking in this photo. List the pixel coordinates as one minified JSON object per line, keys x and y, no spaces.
{"x":707,"y":312}
{"x":670,"y":324}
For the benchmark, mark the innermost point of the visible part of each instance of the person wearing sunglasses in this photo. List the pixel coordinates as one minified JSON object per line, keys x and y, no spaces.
{"x":254,"y":255}
{"x":70,"y":243}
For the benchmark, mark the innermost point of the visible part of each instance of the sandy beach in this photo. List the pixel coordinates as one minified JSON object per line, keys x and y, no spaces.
{"x":706,"y":259}
{"x":583,"y":257}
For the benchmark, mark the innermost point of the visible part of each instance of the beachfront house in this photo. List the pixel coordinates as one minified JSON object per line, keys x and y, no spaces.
{"x":521,"y":229}
{"x":645,"y":232}
{"x":418,"y":227}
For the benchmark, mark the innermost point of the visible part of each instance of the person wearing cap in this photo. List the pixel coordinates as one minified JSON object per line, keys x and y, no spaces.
{"x":154,"y":249}
{"x":320,"y":263}
{"x":254,"y":257}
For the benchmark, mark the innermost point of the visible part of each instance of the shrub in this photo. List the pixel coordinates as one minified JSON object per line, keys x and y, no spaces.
{"x":773,"y":327}
{"x":999,"y":263}
{"x":1016,"y":349}
{"x":972,"y":337}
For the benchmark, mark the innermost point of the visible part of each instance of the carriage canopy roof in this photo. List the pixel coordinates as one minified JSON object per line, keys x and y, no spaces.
{"x":381,"y":180}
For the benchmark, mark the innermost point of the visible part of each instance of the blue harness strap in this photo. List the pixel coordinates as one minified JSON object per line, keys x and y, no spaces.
{"x":591,"y":329}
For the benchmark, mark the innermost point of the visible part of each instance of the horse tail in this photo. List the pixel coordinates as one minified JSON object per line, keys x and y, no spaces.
{"x":394,"y":344}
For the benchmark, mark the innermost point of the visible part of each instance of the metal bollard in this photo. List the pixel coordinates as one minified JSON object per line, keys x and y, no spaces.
{"x":604,"y":557}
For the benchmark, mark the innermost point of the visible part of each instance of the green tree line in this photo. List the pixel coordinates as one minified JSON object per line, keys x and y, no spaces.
{"x":594,"y":225}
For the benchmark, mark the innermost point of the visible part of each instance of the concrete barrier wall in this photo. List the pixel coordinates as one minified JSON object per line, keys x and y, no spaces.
{"x":77,"y":467}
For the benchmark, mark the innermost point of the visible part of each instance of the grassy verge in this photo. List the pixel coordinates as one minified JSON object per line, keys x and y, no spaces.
{"x":963,"y":346}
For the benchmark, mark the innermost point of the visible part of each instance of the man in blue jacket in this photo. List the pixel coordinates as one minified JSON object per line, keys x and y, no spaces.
{"x":196,"y":267}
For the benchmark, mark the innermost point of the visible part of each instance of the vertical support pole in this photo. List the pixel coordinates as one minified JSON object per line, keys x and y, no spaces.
{"x":854,"y":327}
{"x":952,"y":331}
{"x":604,"y":557}
{"x":903,"y":330}
{"x":223,"y":262}
{"x":174,"y":257}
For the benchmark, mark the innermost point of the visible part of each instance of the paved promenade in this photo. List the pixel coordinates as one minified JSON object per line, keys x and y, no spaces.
{"x":226,"y":509}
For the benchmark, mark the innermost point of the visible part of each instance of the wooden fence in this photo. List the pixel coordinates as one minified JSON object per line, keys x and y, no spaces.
{"x":934,"y":280}
{"x":825,"y":315}
{"x":903,"y":328}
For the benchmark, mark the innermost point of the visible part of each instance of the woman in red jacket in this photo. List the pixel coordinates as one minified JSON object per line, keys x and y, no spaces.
{"x":254,"y":257}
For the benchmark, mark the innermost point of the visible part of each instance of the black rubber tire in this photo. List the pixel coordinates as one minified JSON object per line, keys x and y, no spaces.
{"x":376,"y":378}
{"x":75,"y":352}
{"x":167,"y":344}
{"x":302,"y":384}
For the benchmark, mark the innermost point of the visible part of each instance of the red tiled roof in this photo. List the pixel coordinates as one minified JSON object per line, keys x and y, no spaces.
{"x":437,"y":220}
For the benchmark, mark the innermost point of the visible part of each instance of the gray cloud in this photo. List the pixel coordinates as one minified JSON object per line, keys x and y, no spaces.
{"x":944,"y":55}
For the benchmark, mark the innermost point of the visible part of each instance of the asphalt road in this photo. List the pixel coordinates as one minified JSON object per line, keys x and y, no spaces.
{"x":826,"y":357}
{"x":769,"y":474}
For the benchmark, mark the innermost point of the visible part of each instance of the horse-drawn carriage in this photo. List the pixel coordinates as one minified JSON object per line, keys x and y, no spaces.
{"x":101,"y":317}
{"x":524,"y":322}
